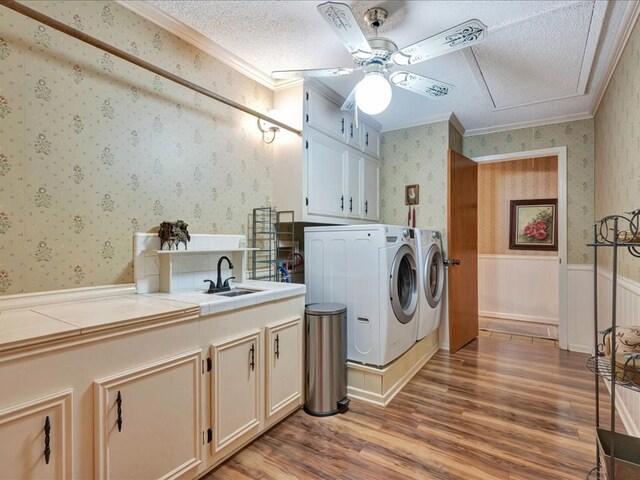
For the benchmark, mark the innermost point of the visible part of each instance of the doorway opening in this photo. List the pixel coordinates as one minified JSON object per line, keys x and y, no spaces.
{"x":519,"y":283}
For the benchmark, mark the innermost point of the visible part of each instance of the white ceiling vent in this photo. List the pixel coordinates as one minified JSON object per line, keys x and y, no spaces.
{"x":549,"y":56}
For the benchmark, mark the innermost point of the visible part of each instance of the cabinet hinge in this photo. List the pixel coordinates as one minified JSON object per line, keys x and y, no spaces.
{"x":209,"y":435}
{"x":209,"y":364}
{"x":306,"y":201}
{"x":306,"y":144}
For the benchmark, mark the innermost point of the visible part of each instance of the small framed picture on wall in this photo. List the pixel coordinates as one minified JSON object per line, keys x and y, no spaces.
{"x":411,"y":194}
{"x":533,"y":224}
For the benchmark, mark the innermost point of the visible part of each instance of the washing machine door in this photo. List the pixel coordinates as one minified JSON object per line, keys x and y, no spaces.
{"x":433,"y":280}
{"x":403,"y":284}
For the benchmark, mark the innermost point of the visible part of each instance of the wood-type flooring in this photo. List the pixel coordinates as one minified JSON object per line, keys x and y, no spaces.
{"x":496,"y":409}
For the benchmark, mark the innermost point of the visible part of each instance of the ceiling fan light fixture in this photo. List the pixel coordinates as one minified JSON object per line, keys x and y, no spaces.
{"x":373,"y":93}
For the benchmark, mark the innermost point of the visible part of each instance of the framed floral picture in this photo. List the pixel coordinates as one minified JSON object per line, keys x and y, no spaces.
{"x":534,"y":224}
{"x":411,"y":194}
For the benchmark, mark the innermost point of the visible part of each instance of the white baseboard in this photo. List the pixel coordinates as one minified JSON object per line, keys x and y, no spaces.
{"x":522,"y":318}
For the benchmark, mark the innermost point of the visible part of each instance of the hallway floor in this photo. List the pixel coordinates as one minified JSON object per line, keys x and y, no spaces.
{"x":496,"y":409}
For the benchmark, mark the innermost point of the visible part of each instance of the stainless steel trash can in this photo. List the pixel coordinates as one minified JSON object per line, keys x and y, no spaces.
{"x":326,"y":379}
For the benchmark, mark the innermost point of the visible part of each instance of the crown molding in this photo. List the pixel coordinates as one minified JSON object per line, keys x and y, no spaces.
{"x":195,"y":38}
{"x":629,"y":19}
{"x":529,"y":124}
{"x":435,"y":119}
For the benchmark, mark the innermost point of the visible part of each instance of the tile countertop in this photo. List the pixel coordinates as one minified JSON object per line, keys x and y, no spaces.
{"x":212,"y":303}
{"x":45,"y":323}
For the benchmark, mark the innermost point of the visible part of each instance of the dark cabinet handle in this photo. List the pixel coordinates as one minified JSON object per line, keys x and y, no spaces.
{"x":119,"y":406}
{"x":366,"y":207}
{"x":342,"y":203}
{"x":342,"y":128}
{"x":351,"y":131}
{"x":47,"y":440}
{"x":351,"y":204}
{"x":252,"y":364}
{"x":366,"y":139}
{"x":277,"y":346}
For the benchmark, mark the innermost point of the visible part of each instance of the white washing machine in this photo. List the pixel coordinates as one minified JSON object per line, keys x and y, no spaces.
{"x":431,"y":281}
{"x":372,"y":269}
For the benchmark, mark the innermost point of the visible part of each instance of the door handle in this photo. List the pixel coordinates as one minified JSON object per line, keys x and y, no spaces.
{"x":253,"y":357}
{"x":366,"y":207}
{"x":342,"y":127}
{"x":366,"y":139}
{"x":47,"y":440}
{"x":342,"y":203}
{"x":119,"y":405}
{"x":351,"y":131}
{"x":277,"y":346}
{"x":451,"y":261}
{"x":351,"y":204}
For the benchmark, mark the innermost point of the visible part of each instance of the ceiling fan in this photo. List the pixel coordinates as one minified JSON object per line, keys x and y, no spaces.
{"x":378,"y":56}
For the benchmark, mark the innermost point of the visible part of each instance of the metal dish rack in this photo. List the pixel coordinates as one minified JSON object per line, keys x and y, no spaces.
{"x":273,"y":235}
{"x":617,"y":455}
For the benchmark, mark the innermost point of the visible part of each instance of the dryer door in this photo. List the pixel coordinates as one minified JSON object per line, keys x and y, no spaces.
{"x":433,"y":280}
{"x":403,"y":289}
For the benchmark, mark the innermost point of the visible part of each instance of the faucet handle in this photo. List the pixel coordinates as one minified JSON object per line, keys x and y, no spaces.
{"x":226,"y":283}
{"x":212,"y":285}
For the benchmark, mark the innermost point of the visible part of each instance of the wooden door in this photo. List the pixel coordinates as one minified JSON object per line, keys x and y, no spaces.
{"x":148,"y":421}
{"x":462,"y":233}
{"x":35,"y":439}
{"x":325,"y":175}
{"x":284,"y":365}
{"x":235,"y":385}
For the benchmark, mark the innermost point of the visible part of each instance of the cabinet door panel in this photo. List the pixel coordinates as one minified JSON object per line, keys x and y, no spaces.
{"x":353,"y":133}
{"x":370,"y":189}
{"x":353,"y":193}
{"x":235,"y":387}
{"x":325,"y":175}
{"x":284,"y":365}
{"x":324,"y":115}
{"x":160,"y":428}
{"x":370,"y":141}
{"x":23,"y":439}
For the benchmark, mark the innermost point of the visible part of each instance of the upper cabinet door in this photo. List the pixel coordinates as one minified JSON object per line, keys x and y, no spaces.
{"x":370,"y":189}
{"x":284,"y":366}
{"x":148,"y":421}
{"x":324,"y":115}
{"x":353,"y":191}
{"x":370,"y":140}
{"x":235,"y":389}
{"x":325,"y":176}
{"x":352,"y":134}
{"x":35,"y":439}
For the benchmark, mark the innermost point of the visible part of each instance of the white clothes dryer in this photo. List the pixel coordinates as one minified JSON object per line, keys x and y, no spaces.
{"x":373,"y":270}
{"x":431,"y":281}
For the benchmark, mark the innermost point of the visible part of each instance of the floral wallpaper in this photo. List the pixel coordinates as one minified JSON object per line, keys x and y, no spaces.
{"x":415,"y":155}
{"x":617,"y":132}
{"x":93,"y":149}
{"x":579,"y":139}
{"x":501,"y":182}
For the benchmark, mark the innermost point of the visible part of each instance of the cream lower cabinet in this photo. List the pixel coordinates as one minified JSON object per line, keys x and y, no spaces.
{"x":235,"y":389}
{"x":284,"y":363}
{"x":148,"y":421}
{"x":35,"y":439}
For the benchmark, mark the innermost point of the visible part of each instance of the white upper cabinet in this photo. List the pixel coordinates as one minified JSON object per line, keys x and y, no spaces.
{"x":370,"y":189}
{"x":322,"y":114}
{"x":324,"y":175}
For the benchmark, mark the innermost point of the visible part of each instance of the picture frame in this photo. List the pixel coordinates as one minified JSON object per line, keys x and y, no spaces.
{"x":412,"y":194}
{"x":533,"y":224}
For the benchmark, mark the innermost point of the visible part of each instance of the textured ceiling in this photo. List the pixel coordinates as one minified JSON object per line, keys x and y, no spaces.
{"x":543,"y":59}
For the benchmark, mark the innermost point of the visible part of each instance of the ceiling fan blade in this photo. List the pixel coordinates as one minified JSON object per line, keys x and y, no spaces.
{"x":419,"y":84}
{"x":341,"y":20}
{"x":350,"y":103}
{"x":317,"y":72}
{"x":461,"y":36}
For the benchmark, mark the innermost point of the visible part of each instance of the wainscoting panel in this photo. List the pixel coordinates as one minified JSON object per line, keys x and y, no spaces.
{"x":580,"y":308}
{"x":519,"y":287}
{"x":628,"y":306}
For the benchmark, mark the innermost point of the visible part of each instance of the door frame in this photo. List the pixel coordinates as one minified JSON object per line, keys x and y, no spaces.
{"x":561,"y":153}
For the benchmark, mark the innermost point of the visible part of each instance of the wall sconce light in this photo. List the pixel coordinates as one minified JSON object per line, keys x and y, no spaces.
{"x":268,"y":130}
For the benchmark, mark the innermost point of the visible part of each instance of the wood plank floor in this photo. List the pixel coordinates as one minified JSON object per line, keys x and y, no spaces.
{"x":494,"y":410}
